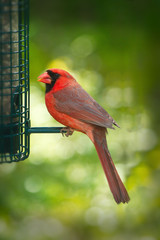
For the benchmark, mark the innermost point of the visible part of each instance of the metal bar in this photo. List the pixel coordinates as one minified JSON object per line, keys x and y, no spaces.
{"x":45,"y":130}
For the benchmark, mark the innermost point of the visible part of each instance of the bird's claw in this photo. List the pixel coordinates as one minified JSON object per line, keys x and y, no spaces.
{"x":66,"y":131}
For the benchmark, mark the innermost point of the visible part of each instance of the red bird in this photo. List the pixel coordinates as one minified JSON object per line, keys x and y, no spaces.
{"x":72,"y":106}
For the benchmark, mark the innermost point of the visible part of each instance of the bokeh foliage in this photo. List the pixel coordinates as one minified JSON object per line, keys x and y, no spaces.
{"x":60,"y":192}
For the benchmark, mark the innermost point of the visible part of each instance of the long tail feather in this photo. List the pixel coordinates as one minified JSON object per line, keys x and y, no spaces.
{"x":117,"y":187}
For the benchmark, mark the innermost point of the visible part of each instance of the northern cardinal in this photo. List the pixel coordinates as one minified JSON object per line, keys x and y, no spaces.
{"x":72,"y":106}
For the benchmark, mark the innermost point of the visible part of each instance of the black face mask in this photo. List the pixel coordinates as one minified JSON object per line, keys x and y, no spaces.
{"x":54,"y":77}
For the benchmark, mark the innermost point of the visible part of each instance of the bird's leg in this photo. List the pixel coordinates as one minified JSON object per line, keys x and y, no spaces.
{"x":67,"y":131}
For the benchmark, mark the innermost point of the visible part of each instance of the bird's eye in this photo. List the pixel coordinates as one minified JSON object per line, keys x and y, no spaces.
{"x":56,"y":75}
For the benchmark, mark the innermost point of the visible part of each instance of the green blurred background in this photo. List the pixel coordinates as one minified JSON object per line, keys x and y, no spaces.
{"x":60,"y":192}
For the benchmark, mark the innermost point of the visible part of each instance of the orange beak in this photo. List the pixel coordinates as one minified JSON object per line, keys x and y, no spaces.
{"x":45,"y":78}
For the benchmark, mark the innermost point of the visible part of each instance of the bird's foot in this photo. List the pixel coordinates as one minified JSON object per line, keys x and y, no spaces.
{"x":66,"y":131}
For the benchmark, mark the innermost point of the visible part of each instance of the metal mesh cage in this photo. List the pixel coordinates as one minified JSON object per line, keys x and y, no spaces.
{"x":14,"y":80}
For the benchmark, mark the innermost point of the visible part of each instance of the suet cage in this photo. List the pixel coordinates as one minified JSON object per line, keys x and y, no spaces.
{"x":14,"y":82}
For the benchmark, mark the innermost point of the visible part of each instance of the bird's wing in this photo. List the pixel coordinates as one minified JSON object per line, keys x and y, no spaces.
{"x":77,"y":103}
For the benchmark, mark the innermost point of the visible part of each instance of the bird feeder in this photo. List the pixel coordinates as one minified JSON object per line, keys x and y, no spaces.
{"x":15,"y":127}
